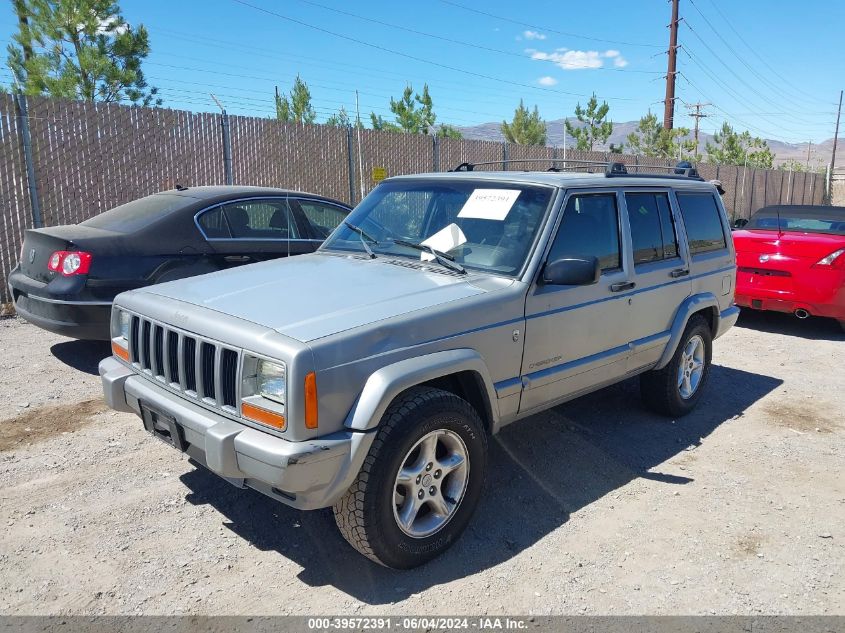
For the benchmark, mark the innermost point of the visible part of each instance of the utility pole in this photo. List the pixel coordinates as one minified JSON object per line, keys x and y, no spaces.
{"x":836,"y":135}
{"x":671,"y":71}
{"x":809,"y":148}
{"x":697,"y":115}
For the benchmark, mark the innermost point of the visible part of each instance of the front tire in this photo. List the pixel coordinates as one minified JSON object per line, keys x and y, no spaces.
{"x":675,"y":390}
{"x":420,"y":483}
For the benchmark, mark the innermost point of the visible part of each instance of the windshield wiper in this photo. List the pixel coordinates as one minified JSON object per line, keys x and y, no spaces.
{"x":447,"y":261}
{"x":362,"y":234}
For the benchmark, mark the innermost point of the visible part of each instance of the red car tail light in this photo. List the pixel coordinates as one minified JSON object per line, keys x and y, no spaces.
{"x":834,"y":260}
{"x":70,"y":262}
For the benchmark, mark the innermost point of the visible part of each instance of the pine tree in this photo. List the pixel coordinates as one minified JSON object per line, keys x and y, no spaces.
{"x":297,"y":107}
{"x":596,"y":128}
{"x":526,"y":128}
{"x":730,"y":148}
{"x":79,"y":49}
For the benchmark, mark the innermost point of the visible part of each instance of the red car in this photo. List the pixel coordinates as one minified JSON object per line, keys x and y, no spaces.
{"x":791,"y":258}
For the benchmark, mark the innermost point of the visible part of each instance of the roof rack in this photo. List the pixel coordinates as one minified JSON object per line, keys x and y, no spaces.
{"x":611,"y":169}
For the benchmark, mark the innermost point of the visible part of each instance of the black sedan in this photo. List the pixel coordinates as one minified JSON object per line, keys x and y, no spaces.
{"x":69,"y":275}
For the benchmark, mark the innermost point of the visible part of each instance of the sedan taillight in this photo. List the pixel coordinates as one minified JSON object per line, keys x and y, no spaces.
{"x":70,"y":262}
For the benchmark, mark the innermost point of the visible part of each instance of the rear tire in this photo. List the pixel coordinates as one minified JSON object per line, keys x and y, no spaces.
{"x":675,"y":390}
{"x":420,"y":483}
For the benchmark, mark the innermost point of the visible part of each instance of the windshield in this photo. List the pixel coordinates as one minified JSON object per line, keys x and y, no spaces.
{"x":799,"y":219}
{"x":479,"y":225}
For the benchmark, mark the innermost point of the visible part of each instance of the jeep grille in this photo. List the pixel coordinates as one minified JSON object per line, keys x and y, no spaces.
{"x":196,"y":366}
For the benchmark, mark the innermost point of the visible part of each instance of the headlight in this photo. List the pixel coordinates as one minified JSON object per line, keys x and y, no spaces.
{"x":270,"y":380}
{"x":120,"y":334}
{"x":263,"y":391}
{"x":123,"y":319}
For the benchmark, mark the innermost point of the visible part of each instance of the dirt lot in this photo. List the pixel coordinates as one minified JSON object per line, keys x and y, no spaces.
{"x":594,"y":507}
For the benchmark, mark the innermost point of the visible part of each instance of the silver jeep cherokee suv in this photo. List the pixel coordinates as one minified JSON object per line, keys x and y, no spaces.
{"x":369,"y":375}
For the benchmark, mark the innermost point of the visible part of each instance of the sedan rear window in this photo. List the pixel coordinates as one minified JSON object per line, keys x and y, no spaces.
{"x":134,"y":215}
{"x":810,"y":219}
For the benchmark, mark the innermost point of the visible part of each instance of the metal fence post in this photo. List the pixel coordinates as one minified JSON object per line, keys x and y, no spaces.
{"x":350,"y":155}
{"x":435,"y":149}
{"x":26,"y":141}
{"x":227,"y":149}
{"x":765,"y":187}
{"x":751,"y":194}
{"x":736,"y":189}
{"x":504,"y":155}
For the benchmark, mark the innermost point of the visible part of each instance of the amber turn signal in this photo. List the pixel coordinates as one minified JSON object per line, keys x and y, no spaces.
{"x":311,"y":400}
{"x":120,"y":352}
{"x":263,"y":416}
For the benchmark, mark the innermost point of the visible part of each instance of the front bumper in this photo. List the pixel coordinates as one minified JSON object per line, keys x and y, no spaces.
{"x":77,"y":319}
{"x":306,"y":475}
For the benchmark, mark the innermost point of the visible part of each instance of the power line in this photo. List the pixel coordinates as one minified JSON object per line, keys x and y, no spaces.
{"x":729,"y":116}
{"x":730,"y":90}
{"x":456,"y":41}
{"x":546,"y":28}
{"x":778,"y":90}
{"x":414,"y":57}
{"x":753,"y":50}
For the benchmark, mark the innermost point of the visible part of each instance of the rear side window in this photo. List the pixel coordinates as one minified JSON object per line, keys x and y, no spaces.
{"x":261,"y":219}
{"x":590,"y":227}
{"x":703,"y":222}
{"x":652,"y":227}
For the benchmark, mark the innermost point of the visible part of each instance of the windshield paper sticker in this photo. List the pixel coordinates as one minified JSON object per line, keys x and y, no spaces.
{"x":489,"y":204}
{"x":444,"y":241}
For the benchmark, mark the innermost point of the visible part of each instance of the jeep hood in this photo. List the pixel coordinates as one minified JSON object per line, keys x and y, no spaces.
{"x":312,"y":296}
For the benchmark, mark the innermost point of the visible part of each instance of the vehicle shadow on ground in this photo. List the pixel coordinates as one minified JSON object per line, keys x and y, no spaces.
{"x":82,"y":355}
{"x":813,"y":328}
{"x":541,"y":470}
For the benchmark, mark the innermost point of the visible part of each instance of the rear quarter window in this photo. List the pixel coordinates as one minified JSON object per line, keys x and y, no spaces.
{"x":703,"y":222}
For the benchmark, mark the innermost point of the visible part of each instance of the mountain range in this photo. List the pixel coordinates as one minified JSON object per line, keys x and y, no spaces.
{"x":819,"y":153}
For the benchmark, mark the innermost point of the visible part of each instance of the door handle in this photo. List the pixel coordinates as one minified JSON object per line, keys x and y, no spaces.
{"x":237,"y":258}
{"x":679,"y":272}
{"x":622,"y":285}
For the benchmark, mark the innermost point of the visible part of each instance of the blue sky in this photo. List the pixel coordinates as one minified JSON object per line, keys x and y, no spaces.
{"x":773,"y":67}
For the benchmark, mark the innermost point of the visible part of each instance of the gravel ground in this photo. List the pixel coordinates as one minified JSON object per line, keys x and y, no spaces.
{"x":594,"y":507}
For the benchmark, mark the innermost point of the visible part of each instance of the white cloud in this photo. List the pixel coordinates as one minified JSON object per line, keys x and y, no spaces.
{"x":533,"y":35}
{"x":579,"y":60}
{"x":616,"y":56}
{"x":547,"y":81}
{"x":110,"y":26}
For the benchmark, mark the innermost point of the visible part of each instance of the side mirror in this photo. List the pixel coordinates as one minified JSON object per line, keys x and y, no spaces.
{"x":572,"y":271}
{"x":739,"y":223}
